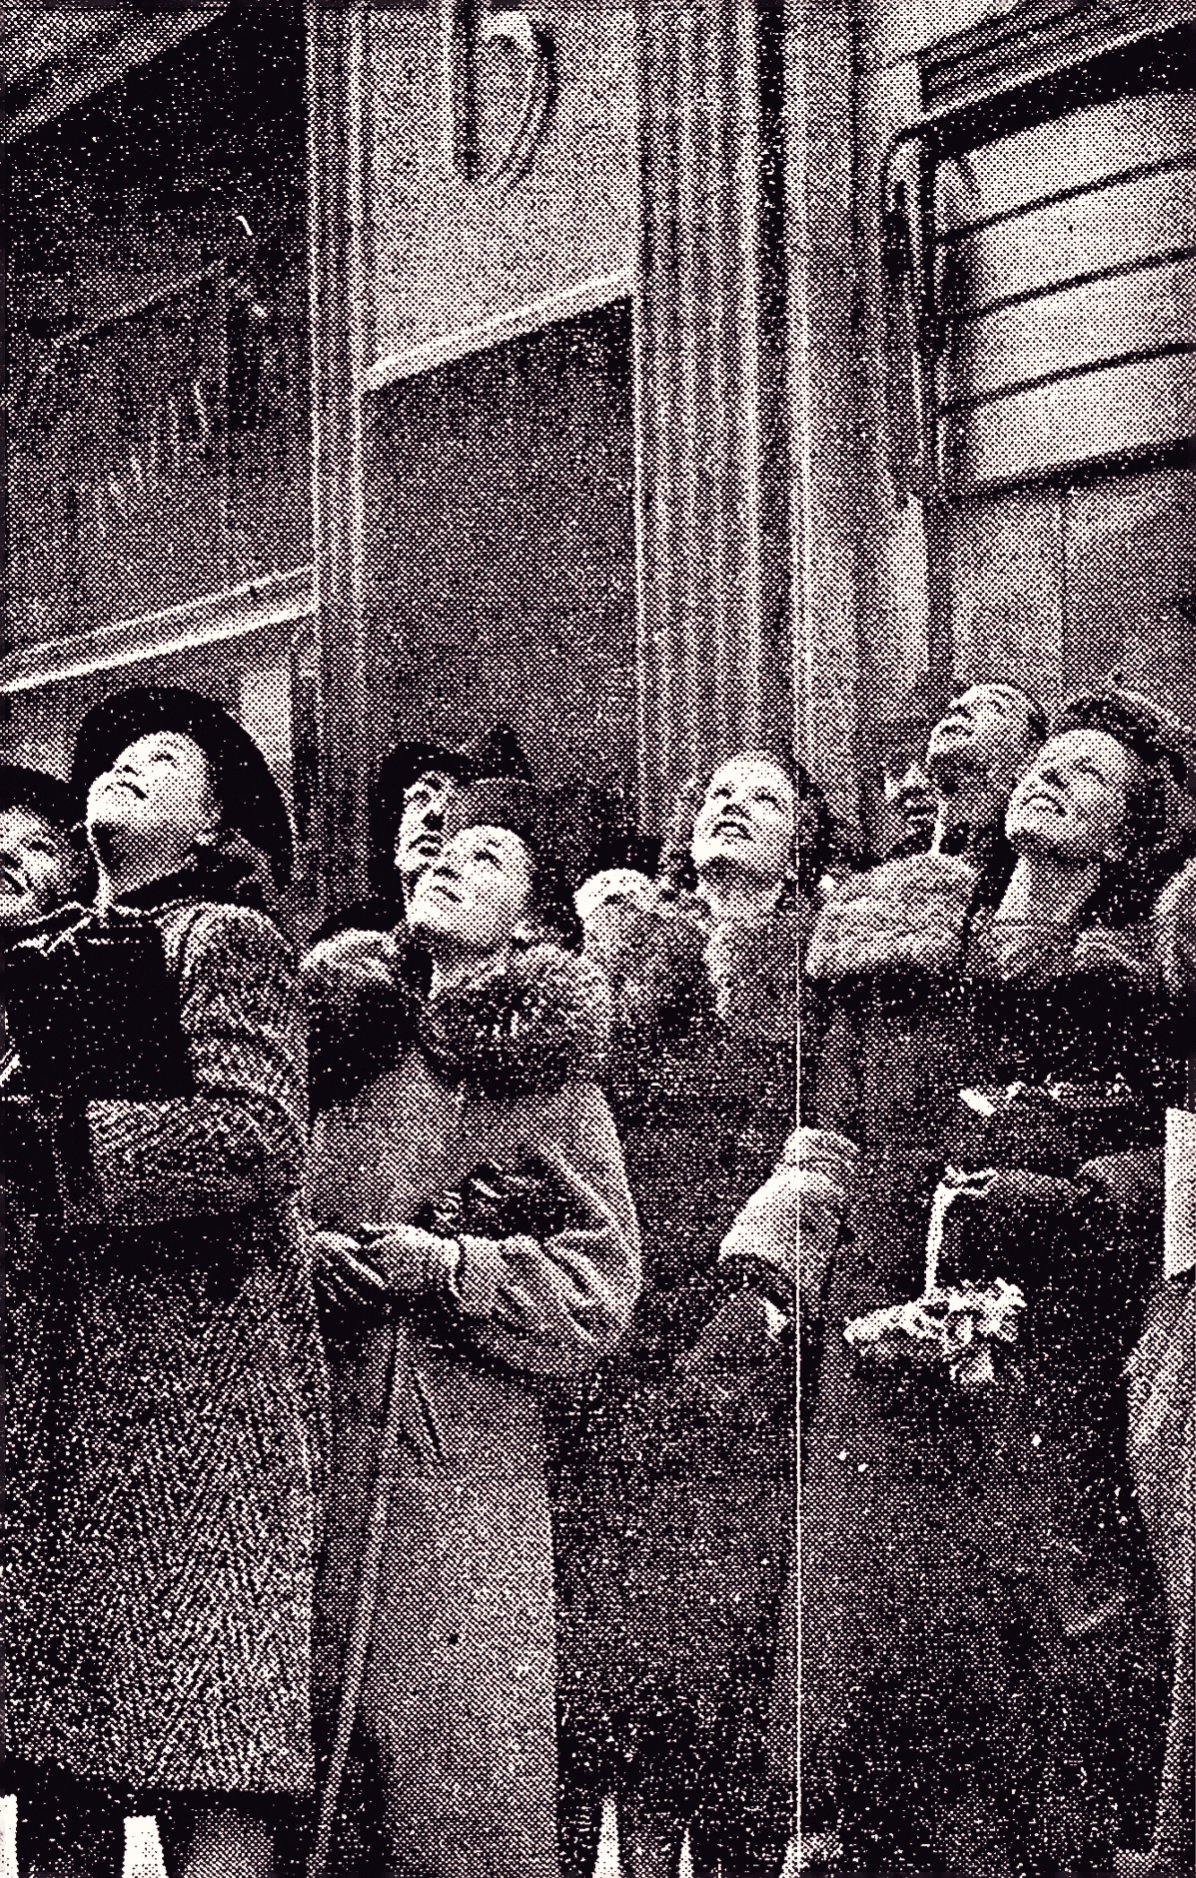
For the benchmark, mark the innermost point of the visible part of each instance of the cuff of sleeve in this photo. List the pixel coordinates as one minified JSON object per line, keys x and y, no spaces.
{"x":473,"y":1290}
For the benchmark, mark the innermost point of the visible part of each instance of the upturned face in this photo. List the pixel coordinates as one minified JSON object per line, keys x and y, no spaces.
{"x":746,"y":821}
{"x":987,"y":731}
{"x":1072,"y":801}
{"x":472,"y":897}
{"x":908,"y":789}
{"x":158,"y":798}
{"x":420,"y":834}
{"x":38,"y":866}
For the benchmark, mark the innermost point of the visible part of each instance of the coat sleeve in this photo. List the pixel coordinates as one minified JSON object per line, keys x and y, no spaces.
{"x":237,"y":1143}
{"x":554,"y":1308}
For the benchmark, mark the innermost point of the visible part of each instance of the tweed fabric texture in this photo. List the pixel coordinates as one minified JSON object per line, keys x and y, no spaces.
{"x":167,"y":1410}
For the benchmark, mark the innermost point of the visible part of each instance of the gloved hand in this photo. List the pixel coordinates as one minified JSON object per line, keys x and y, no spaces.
{"x":822,"y":1151}
{"x":413,"y":1263}
{"x":346,"y":1279}
{"x":787,"y":1234}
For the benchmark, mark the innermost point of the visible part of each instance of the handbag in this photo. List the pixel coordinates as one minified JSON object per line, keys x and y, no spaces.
{"x":93,"y":1012}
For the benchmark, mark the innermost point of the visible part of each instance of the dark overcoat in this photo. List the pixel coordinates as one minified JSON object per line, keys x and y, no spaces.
{"x":677,"y":1489}
{"x":167,"y":1403}
{"x":455,"y":1760}
{"x":972,"y":1565}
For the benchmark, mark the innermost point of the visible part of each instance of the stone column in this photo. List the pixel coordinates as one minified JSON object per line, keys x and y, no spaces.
{"x":336,"y":37}
{"x":745,"y":400}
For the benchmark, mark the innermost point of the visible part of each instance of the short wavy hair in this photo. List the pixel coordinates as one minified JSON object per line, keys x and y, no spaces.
{"x":1134,"y":727}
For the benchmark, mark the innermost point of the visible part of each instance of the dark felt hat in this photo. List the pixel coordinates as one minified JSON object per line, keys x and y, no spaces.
{"x":250,"y":799}
{"x":564,"y":831}
{"x":495,"y":752}
{"x":41,"y":794}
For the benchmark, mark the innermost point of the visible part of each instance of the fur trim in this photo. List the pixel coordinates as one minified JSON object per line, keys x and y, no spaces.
{"x":670,"y":967}
{"x":541,"y":1023}
{"x":1173,"y":932}
{"x":903,"y":915}
{"x":362,"y":1006}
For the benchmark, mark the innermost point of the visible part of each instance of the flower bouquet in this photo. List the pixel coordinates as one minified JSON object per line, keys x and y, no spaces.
{"x":956,"y":1328}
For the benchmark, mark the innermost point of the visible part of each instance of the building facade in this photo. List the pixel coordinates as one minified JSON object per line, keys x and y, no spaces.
{"x":662,"y":378}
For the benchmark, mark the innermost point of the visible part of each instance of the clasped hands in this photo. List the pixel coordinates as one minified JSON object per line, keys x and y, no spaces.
{"x":381,"y":1265}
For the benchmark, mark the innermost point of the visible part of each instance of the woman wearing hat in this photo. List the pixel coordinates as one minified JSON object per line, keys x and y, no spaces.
{"x":477,"y":1241}
{"x":980,"y":1636}
{"x":167,"y":1392}
{"x":415,"y":785}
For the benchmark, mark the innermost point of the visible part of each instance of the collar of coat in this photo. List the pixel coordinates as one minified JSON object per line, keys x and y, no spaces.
{"x":541,"y":1022}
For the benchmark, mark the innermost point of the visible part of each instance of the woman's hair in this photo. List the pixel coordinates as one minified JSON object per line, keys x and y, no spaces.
{"x":554,"y":919}
{"x":1133,"y":728}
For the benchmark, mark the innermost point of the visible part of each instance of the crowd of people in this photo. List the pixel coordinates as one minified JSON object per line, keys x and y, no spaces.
{"x":700,"y":1328}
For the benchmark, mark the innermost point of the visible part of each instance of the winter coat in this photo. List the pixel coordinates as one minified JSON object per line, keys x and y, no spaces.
{"x":973,"y":1568}
{"x":677,"y":1490}
{"x":455,"y":1760}
{"x":1162,"y":1425}
{"x":167,"y":1398}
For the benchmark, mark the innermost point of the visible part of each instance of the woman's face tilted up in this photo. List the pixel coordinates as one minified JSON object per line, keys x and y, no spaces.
{"x":157,"y":802}
{"x":746,"y":821}
{"x":474,"y":895}
{"x":1072,"y":803}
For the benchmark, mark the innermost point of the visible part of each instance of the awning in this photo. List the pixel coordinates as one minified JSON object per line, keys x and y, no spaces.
{"x":276,"y":600}
{"x":52,"y":60}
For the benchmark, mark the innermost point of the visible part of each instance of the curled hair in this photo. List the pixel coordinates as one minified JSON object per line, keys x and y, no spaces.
{"x":1133,"y":728}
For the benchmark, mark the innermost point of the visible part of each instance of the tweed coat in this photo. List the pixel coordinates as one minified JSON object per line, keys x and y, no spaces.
{"x":454,"y":1769}
{"x":974,"y":1573}
{"x":677,"y":1487}
{"x":167,"y":1403}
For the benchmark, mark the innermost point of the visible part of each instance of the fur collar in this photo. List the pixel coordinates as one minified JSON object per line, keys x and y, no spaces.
{"x":528,"y":1030}
{"x":673,"y":967}
{"x":903,"y":916}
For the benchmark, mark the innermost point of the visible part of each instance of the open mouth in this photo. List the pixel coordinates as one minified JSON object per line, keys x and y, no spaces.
{"x":1039,"y":801}
{"x":130,"y":783}
{"x":958,"y":725}
{"x":729,"y":825}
